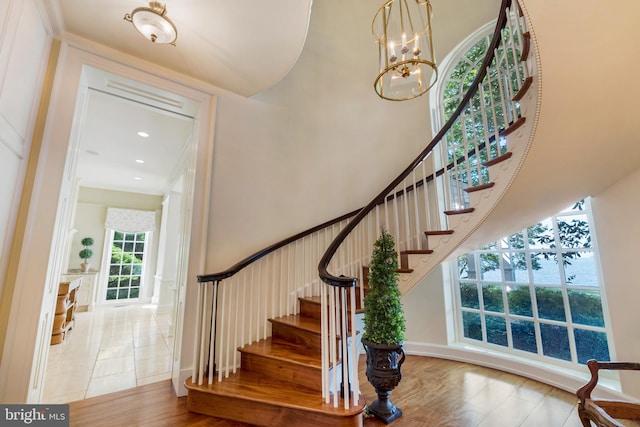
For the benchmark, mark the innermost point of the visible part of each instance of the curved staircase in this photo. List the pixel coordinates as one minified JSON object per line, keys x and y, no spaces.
{"x":275,"y":344}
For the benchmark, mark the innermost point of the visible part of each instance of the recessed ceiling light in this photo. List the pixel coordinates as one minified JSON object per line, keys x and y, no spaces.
{"x":139,"y":161}
{"x":137,"y":178}
{"x":143,"y":134}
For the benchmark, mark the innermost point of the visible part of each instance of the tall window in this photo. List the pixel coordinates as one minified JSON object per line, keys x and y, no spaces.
{"x":126,"y":266}
{"x":537,"y":292}
{"x":129,"y":232}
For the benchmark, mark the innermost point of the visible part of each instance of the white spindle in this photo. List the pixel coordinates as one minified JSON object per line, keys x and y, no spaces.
{"x":324,"y":324}
{"x":507,"y":113}
{"x":428,"y":224}
{"x":266,"y":299}
{"x":256,"y":292}
{"x":407,"y":222}
{"x":355,"y":389}
{"x":276,"y":285}
{"x":196,"y":371}
{"x":222,"y":334}
{"x":494,"y":116}
{"x":343,"y":341}
{"x":288,"y":296}
{"x":212,"y":339}
{"x":234,"y":291}
{"x":511,"y":46}
{"x":332,"y":342}
{"x":416,"y":206}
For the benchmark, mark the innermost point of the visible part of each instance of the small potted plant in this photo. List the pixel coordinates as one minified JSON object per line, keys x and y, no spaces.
{"x":86,"y":253}
{"x":384,"y":327}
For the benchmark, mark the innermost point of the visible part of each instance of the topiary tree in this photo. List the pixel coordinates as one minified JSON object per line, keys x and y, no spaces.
{"x":86,"y":253}
{"x":384,"y":321}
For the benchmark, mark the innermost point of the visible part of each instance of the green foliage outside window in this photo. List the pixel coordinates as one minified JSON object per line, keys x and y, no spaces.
{"x":505,"y":308}
{"x":125,"y":269}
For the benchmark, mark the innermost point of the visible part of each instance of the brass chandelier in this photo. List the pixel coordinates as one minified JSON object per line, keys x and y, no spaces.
{"x":407,"y":61}
{"x":153,"y":23}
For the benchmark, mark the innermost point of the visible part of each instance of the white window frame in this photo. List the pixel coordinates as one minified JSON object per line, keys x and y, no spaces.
{"x":107,"y":263}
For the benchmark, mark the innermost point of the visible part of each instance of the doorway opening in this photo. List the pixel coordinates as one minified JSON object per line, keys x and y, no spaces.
{"x":49,"y":215}
{"x":127,"y":337}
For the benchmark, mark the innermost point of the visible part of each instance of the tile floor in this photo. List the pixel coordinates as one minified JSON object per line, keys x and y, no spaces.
{"x":109,"y":349}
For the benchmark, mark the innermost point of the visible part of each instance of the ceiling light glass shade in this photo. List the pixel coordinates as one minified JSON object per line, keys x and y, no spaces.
{"x":407,"y":64}
{"x":153,"y":23}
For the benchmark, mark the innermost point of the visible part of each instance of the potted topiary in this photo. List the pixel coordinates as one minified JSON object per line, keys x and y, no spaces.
{"x":384,"y":327}
{"x":86,"y":253}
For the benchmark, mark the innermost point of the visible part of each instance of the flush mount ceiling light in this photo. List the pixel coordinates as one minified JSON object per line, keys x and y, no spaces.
{"x":407,"y":64}
{"x":153,"y":23}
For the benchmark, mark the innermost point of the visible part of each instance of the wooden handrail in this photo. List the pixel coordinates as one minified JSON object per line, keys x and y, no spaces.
{"x":343,"y":281}
{"x":213,"y":277}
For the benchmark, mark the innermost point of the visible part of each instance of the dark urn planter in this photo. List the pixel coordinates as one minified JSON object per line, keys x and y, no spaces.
{"x":383,"y":372}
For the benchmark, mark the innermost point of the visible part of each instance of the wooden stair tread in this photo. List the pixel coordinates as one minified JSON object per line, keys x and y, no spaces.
{"x":479,"y":187}
{"x":257,"y":388}
{"x":282,"y":350}
{"x":308,"y":324}
{"x":459,"y":211}
{"x":498,"y":159}
{"x":525,"y":86}
{"x":438,"y":232}
{"x":417,"y":251}
{"x":513,"y":126}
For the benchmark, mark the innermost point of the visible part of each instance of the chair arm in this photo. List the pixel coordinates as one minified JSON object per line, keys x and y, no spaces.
{"x":594,"y":366}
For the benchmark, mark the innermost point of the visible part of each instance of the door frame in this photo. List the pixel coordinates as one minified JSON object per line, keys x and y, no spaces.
{"x":49,"y":210}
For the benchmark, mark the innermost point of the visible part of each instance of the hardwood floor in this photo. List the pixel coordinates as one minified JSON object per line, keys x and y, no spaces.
{"x":433,"y":392}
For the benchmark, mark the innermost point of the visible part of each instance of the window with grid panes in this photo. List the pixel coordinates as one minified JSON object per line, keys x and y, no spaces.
{"x":126,"y":265}
{"x":537,"y":292}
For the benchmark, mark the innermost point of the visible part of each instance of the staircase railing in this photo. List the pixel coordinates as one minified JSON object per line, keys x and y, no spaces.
{"x":434,"y":187}
{"x":233,"y":306}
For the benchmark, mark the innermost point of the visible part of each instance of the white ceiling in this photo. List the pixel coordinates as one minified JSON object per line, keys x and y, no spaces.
{"x":112,"y":155}
{"x":242,"y":46}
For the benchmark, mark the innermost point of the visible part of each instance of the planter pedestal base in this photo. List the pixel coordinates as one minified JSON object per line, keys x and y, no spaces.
{"x":383,"y":410}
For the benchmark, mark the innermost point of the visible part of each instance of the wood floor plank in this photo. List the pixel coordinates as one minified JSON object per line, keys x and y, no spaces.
{"x":433,"y":392}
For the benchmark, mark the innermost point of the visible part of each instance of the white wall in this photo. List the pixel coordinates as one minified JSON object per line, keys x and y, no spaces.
{"x":21,"y":79}
{"x":426,"y":310}
{"x":615,"y":213}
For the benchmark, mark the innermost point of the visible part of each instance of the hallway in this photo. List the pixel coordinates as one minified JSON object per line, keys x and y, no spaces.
{"x":109,"y":349}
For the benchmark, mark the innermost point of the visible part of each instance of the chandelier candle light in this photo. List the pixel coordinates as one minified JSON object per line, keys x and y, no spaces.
{"x":153,"y":23}
{"x":405,"y":47}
